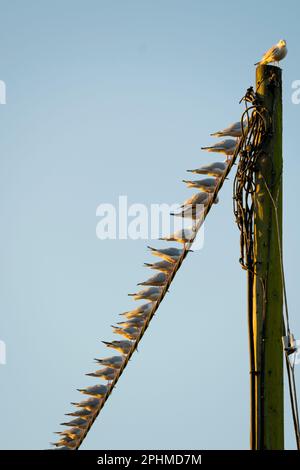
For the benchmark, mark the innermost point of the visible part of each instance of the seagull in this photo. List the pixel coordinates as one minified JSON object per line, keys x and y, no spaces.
{"x":215,"y":169}
{"x":114,"y":362}
{"x":275,"y":54}
{"x":96,"y":390}
{"x":130,"y":333}
{"x":163,"y":266}
{"x":82,"y":412}
{"x":190,"y":212}
{"x":157,"y":280}
{"x":65,"y":442}
{"x":78,"y":422}
{"x":138,"y":322}
{"x":208,"y":185}
{"x":169,"y":254}
{"x":121,"y":346}
{"x":226,"y":146}
{"x":73,"y":433}
{"x":137,"y":316}
{"x":141,"y":311}
{"x":180,"y":236}
{"x":107,"y":373}
{"x":152,"y":293}
{"x":88,"y":404}
{"x":68,"y":440}
{"x":234,"y":130}
{"x":199,"y":198}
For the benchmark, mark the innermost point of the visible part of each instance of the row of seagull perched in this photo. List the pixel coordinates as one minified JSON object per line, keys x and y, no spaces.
{"x":134,"y":321}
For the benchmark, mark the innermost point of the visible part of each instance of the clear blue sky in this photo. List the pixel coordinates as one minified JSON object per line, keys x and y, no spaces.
{"x":108,"y":98}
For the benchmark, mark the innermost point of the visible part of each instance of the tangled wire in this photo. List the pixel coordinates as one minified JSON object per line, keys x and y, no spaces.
{"x":257,"y":123}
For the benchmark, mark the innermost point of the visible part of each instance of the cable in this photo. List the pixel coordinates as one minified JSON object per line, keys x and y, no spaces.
{"x":243,"y":207}
{"x":286,"y":325}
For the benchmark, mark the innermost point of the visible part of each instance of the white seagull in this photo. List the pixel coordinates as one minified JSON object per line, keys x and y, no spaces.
{"x":181,"y":236}
{"x":139,"y":322}
{"x":114,"y":362}
{"x":199,"y":198}
{"x":226,"y":146}
{"x":152,"y":293}
{"x":88,"y":404}
{"x":96,"y":390}
{"x":73,"y":432}
{"x":169,"y":254}
{"x":65,"y":443}
{"x":163,"y":266}
{"x":207,"y":185}
{"x":234,"y":130}
{"x":121,"y":346}
{"x":79,"y":422}
{"x":132,"y":332}
{"x":156,"y":280}
{"x":107,"y":373}
{"x":215,"y":169}
{"x":142,"y":311}
{"x":190,"y":212}
{"x":274,"y":54}
{"x":82,"y":412}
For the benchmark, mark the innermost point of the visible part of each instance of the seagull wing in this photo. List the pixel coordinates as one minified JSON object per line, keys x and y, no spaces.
{"x":270,"y":54}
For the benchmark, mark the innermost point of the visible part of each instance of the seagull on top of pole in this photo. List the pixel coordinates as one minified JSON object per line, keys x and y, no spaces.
{"x":274,"y":54}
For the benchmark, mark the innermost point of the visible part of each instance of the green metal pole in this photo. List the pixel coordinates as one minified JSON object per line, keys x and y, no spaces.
{"x":267,"y":300}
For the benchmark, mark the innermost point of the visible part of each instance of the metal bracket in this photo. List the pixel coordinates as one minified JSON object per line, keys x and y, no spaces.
{"x":289,"y":344}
